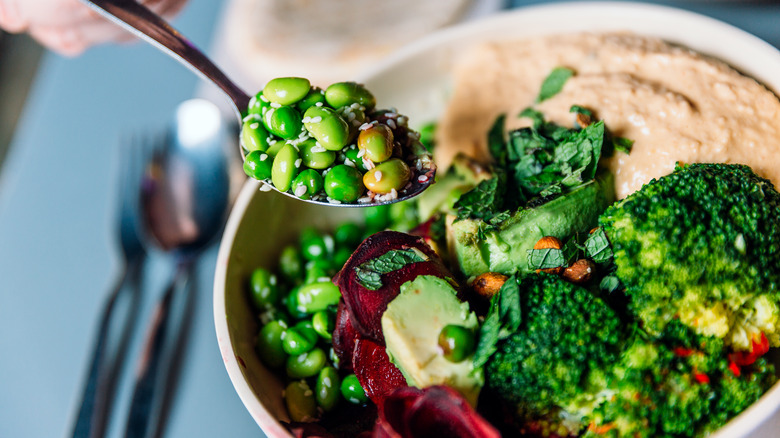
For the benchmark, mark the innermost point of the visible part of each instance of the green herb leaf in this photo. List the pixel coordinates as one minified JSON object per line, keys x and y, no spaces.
{"x":597,"y":247}
{"x":610,"y":284}
{"x":554,"y":83}
{"x":496,"y":142}
{"x":483,"y":201}
{"x":369,"y":274}
{"x":503,"y":319}
{"x":622,"y":144}
{"x":546,"y":258}
{"x":536,"y":116}
{"x":581,"y":110}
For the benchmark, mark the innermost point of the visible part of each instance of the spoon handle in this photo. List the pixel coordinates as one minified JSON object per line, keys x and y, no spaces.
{"x":147,"y":25}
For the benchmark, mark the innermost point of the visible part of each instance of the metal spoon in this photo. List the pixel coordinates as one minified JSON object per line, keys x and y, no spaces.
{"x":145,"y":24}
{"x":184,"y":204}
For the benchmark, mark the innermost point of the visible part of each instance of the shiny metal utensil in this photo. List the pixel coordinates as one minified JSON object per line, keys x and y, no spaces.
{"x":184,"y":204}
{"x":145,"y":24}
{"x":121,"y":307}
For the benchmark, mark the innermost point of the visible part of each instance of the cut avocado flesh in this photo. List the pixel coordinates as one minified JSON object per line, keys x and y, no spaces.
{"x":411,"y":326}
{"x":463,"y":175}
{"x":505,"y":249}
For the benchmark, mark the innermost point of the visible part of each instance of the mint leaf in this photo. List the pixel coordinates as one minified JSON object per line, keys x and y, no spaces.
{"x":369,"y":274}
{"x":546,"y":258}
{"x":610,"y":284}
{"x":581,"y":110}
{"x":597,"y":247}
{"x":496,"y":142}
{"x":554,"y":83}
{"x":483,"y":201}
{"x":622,"y":144}
{"x":503,"y":319}
{"x":536,"y":116}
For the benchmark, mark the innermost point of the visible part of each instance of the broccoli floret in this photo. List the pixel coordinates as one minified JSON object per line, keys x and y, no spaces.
{"x":683,"y":386}
{"x":702,"y":245}
{"x":553,"y":370}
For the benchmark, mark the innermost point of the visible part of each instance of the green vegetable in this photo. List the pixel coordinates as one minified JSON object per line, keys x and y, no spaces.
{"x":456,"y":342}
{"x":352,"y":391}
{"x":324,"y":124}
{"x":286,"y":91}
{"x":351,"y":154}
{"x":312,"y":98}
{"x":315,"y":156}
{"x":502,"y":320}
{"x":258,"y":165}
{"x":284,"y":122}
{"x":290,"y":263}
{"x":369,"y":274}
{"x":346,"y":93}
{"x":314,"y":297}
{"x":258,"y":105}
{"x":391,"y":175}
{"x":348,"y":234}
{"x":298,"y":340}
{"x":597,"y":246}
{"x":323,"y":323}
{"x":554,"y":83}
{"x":307,"y":184}
{"x":262,"y":284}
{"x":328,"y":391}
{"x":254,"y":137}
{"x":377,"y":142}
{"x":377,"y":218}
{"x":301,"y":402}
{"x":269,"y":344}
{"x":546,"y":258}
{"x":701,"y":246}
{"x":306,"y":364}
{"x":313,"y":245}
{"x":344,"y":183}
{"x":284,"y":168}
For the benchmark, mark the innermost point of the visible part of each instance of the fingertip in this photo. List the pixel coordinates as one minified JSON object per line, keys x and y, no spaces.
{"x":11,"y":17}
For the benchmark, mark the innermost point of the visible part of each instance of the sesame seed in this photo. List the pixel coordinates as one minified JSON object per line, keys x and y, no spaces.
{"x":263,"y":157}
{"x":391,"y":124}
{"x":364,"y":126}
{"x":378,"y":175}
{"x":275,"y":105}
{"x":265,"y":187}
{"x":361,"y":153}
{"x":298,"y":162}
{"x":422,"y":178}
{"x":306,"y":120}
{"x":348,"y":162}
{"x":317,"y":119}
{"x":264,"y":99}
{"x":318,"y":104}
{"x":368,"y":164}
{"x":318,"y":148}
{"x":300,"y":191}
{"x":254,"y":125}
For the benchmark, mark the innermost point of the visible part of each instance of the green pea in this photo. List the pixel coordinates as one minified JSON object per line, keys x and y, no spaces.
{"x":307,"y":184}
{"x":284,"y":122}
{"x":298,"y":341}
{"x":285,"y":167}
{"x":344,"y":183}
{"x":306,"y":364}
{"x":352,"y":155}
{"x":291,"y":303}
{"x":348,"y":234}
{"x":324,"y":322}
{"x":258,"y":105}
{"x":313,"y":245}
{"x":355,"y":118}
{"x":377,"y":218}
{"x":275,"y":147}
{"x":257,"y":165}
{"x":269,"y":344}
{"x":346,"y":93}
{"x":306,"y":328}
{"x":456,"y":342}
{"x":325,"y":125}
{"x":301,"y":402}
{"x":313,"y":97}
{"x":327,"y":388}
{"x":254,"y":137}
{"x":391,"y":175}
{"x":377,"y":143}
{"x":318,"y":296}
{"x":315,"y":273}
{"x":265,"y":292}
{"x":290,"y":263}
{"x":286,"y":91}
{"x":341,"y":256}
{"x":315,"y":156}
{"x":352,"y":391}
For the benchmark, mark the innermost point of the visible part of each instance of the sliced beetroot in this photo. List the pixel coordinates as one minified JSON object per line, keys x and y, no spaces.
{"x":434,"y":411}
{"x":367,"y":306}
{"x":376,"y":374}
{"x":308,"y":430}
{"x":344,"y":336}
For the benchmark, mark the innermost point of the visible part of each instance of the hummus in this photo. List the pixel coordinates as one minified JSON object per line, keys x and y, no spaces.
{"x":676,"y":104}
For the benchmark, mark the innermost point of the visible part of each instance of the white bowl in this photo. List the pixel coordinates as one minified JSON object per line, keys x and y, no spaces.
{"x":416,"y":79}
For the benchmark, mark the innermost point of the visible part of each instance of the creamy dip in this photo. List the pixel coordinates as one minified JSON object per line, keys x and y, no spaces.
{"x":676,"y":104}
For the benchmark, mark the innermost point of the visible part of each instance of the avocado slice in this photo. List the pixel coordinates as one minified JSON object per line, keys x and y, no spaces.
{"x":505,"y":249}
{"x":411,"y":326}
{"x":463,"y":175}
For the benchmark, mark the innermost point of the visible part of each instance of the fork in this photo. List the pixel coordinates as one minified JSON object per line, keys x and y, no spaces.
{"x":122,"y":303}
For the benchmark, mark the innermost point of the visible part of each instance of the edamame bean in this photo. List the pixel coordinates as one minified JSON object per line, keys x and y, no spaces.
{"x":286,"y":91}
{"x":351,"y":154}
{"x":257,"y":106}
{"x":306,"y":364}
{"x":325,"y":125}
{"x":275,"y":147}
{"x":327,"y":390}
{"x":377,"y":143}
{"x":324,"y":322}
{"x":274,"y":314}
{"x":316,"y":273}
{"x":348,"y":234}
{"x":340,"y":257}
{"x":257,"y":165}
{"x":284,"y":168}
{"x":346,"y":93}
{"x":284,"y":122}
{"x":269,"y":344}
{"x":391,"y":175}
{"x":291,"y":302}
{"x":344,"y":183}
{"x":313,"y":246}
{"x":315,"y":156}
{"x":290,"y":263}
{"x":306,"y":327}
{"x":263,"y":285}
{"x":301,"y":402}
{"x":298,"y":340}
{"x":254,"y":136}
{"x":315,"y":96}
{"x":352,"y":391}
{"x":456,"y":342}
{"x":317,"y":296}
{"x":307,"y":184}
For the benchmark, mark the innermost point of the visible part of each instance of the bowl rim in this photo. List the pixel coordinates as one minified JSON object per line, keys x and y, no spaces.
{"x":750,"y":47}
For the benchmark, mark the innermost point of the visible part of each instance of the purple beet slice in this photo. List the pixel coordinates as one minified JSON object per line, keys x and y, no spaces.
{"x":367,"y":306}
{"x":434,"y":411}
{"x":376,"y":374}
{"x":344,"y":337}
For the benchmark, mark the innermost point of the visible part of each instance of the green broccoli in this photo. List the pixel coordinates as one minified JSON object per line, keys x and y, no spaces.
{"x":683,"y":385}
{"x":702,"y":245}
{"x":553,"y":370}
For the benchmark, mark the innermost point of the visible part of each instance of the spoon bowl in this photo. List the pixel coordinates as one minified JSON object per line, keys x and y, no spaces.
{"x":148,"y":26}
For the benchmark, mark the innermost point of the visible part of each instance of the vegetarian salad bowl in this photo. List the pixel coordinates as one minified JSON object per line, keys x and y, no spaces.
{"x":423,"y":81}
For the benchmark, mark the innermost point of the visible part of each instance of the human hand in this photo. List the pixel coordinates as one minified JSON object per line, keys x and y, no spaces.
{"x":68,"y":26}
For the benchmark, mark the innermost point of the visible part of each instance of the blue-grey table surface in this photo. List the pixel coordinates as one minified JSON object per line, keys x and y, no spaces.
{"x":58,"y":256}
